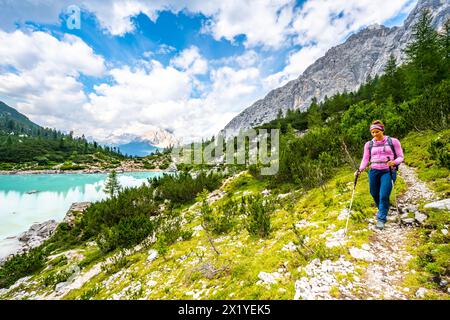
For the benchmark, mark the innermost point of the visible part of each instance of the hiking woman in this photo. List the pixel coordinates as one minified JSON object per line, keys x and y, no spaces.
{"x":382,"y":152}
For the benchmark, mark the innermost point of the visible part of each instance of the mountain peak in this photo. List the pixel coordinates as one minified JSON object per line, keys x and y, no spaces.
{"x":155,"y":136}
{"x":343,"y":68}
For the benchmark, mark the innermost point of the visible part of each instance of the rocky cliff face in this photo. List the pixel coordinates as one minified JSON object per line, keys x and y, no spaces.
{"x":344,"y":67}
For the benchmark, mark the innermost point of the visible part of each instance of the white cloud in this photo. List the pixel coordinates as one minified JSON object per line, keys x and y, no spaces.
{"x":320,"y":25}
{"x":44,"y":81}
{"x":115,"y":16}
{"x":42,"y":11}
{"x":134,"y":92}
{"x":161,"y":96}
{"x":70,"y":55}
{"x":191,"y":61}
{"x":264,"y":23}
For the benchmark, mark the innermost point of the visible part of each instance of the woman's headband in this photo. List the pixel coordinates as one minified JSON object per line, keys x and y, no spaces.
{"x":377,"y":126}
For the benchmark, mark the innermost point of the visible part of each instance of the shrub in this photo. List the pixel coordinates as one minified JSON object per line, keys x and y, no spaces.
{"x":128,"y":232}
{"x":182,"y":187}
{"x":90,"y":293}
{"x":169,"y":232}
{"x":117,"y":263}
{"x":148,"y":165}
{"x":164,"y":165}
{"x":72,"y":167}
{"x":19,"y":266}
{"x":41,"y":160}
{"x":257,"y":210}
{"x":61,"y":276}
{"x":439,"y":150}
{"x":312,"y":249}
{"x":220,"y":220}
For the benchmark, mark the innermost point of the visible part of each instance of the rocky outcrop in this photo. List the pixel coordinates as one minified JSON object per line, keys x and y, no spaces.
{"x":39,"y":232}
{"x":75,"y":210}
{"x":343,"y":68}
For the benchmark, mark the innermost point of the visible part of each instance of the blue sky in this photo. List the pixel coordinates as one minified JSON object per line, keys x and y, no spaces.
{"x":188,"y":67}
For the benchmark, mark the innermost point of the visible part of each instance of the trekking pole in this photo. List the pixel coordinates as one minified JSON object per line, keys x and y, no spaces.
{"x":395,"y":196}
{"x":351,"y":202}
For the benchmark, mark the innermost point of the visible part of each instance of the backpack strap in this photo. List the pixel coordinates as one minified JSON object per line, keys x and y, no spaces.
{"x":391,"y":144}
{"x":370,"y":149}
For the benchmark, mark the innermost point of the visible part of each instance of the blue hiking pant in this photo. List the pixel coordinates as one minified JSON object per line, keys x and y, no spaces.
{"x":380,"y":189}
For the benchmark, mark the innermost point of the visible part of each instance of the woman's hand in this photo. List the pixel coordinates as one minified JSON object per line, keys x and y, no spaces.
{"x":391,"y":163}
{"x":357,"y":173}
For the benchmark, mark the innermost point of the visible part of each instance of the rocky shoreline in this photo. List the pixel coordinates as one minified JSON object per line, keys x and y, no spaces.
{"x":85,"y":171}
{"x":39,"y":232}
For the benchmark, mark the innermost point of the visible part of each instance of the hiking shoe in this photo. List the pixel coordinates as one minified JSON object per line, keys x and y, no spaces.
{"x":380,"y":225}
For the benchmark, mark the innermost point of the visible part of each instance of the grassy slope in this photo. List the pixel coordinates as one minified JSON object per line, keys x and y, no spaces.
{"x":178,"y":275}
{"x":429,"y":246}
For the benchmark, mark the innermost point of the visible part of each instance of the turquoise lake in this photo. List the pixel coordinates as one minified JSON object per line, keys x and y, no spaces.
{"x":35,"y":198}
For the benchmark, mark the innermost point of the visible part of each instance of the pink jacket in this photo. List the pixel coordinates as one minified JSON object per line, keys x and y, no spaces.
{"x":380,"y":153}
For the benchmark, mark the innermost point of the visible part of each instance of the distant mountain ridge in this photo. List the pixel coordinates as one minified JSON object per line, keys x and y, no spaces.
{"x":343,"y":68}
{"x":9,"y":115}
{"x":25,"y":144}
{"x":142,"y":144}
{"x":12,"y":120}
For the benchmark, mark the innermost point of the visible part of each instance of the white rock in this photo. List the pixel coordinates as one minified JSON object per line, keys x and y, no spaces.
{"x":152,"y":255}
{"x":289,"y":247}
{"x":444,"y":232}
{"x":420,"y":217}
{"x":336,"y":239}
{"x":343,"y":214}
{"x":421,"y":292}
{"x":361,"y":254}
{"x":152,"y":283}
{"x":365,"y":246}
{"x":60,"y":286}
{"x":198,"y":228}
{"x":270,"y":278}
{"x":441,"y":205}
{"x":408,"y":220}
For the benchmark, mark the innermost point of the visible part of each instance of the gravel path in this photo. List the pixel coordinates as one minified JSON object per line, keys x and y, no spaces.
{"x":385,"y":274}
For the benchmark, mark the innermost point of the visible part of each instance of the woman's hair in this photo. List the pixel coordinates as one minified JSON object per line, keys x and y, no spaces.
{"x":378,"y":122}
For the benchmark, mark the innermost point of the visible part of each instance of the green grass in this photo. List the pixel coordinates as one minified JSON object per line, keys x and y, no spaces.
{"x":416,"y":148}
{"x":429,"y":246}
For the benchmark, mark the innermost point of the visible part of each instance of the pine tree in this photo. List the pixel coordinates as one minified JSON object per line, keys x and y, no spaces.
{"x":392,"y":83}
{"x":423,"y":54}
{"x":112,"y":185}
{"x":391,"y":67}
{"x":444,"y":42}
{"x":279,"y":118}
{"x":314,"y":116}
{"x":61,"y":143}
